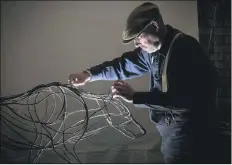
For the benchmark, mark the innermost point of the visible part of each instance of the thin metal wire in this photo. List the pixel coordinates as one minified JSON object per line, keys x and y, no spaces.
{"x":38,"y":130}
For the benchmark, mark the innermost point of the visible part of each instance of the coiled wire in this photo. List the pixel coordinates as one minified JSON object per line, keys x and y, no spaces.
{"x":47,"y":128}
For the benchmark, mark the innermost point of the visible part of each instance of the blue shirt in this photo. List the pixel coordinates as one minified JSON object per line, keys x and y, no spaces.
{"x":191,"y":76}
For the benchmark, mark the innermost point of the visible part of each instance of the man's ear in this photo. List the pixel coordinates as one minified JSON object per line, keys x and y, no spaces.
{"x":155,"y":24}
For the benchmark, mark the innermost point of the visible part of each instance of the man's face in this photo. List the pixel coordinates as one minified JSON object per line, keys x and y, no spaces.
{"x":148,"y":42}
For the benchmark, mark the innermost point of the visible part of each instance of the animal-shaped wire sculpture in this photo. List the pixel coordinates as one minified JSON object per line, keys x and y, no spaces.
{"x":28,"y":126}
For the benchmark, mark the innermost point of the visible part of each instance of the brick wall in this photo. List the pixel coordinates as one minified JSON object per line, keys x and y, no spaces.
{"x":220,"y":46}
{"x":220,"y":54}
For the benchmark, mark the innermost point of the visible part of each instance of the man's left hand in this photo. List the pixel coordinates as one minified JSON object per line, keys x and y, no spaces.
{"x":123,"y":90}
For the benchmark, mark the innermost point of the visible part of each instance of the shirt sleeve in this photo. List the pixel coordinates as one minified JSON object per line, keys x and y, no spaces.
{"x":130,"y":65}
{"x":190,"y":80}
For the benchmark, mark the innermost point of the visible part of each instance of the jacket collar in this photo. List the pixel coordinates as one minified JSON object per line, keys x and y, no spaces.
{"x":171,"y":32}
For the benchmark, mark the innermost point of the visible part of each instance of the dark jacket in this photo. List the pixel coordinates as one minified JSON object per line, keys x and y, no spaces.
{"x":191,"y":77}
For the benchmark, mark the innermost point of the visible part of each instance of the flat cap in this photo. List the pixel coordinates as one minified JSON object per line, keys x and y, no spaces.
{"x":138,"y":20}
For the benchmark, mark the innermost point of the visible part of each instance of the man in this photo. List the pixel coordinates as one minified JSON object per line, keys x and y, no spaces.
{"x":182,"y":88}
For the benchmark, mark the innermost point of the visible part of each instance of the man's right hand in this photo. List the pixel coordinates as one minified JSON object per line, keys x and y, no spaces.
{"x":79,"y":78}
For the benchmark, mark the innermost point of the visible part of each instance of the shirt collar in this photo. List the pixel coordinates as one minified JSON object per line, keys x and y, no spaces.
{"x":167,"y":40}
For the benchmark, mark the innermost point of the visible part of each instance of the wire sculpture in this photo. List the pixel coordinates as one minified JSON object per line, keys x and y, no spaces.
{"x":27,"y":129}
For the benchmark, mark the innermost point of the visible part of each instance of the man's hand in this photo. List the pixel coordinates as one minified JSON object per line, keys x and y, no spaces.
{"x":123,"y":90}
{"x":79,"y":78}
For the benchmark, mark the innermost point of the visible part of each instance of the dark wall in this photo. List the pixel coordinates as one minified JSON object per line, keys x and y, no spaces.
{"x":214,"y":19}
{"x":215,"y":37}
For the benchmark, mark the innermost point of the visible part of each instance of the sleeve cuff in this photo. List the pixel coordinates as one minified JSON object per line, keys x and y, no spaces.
{"x":94,"y":76}
{"x":140,"y":97}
